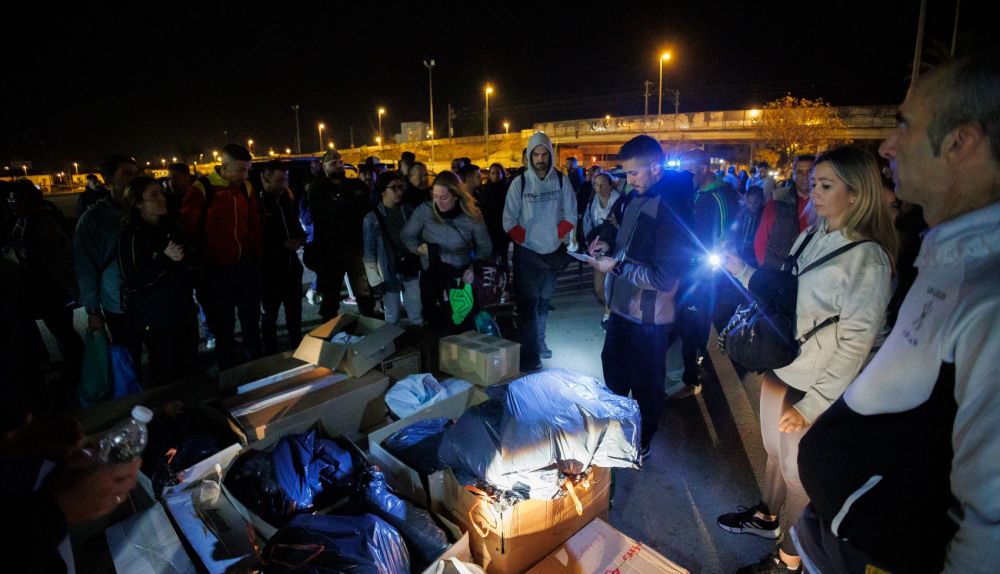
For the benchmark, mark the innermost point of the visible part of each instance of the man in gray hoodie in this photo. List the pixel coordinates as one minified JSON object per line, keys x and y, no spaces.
{"x":539,"y":215}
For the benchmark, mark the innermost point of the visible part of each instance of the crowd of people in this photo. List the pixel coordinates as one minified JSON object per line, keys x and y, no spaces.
{"x":881,"y":434}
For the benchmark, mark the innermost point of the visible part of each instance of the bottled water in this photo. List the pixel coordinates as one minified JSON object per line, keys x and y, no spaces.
{"x":127,"y":439}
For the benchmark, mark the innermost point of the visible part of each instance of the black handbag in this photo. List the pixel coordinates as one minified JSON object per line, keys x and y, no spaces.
{"x":760,"y":336}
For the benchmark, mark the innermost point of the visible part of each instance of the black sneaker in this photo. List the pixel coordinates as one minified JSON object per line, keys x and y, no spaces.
{"x":545,"y":352}
{"x":770,"y":564}
{"x":746,"y":521}
{"x":532,"y":368}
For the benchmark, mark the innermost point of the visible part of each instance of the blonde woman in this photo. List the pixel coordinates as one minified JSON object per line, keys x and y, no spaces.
{"x":447,"y":233}
{"x":854,"y":286}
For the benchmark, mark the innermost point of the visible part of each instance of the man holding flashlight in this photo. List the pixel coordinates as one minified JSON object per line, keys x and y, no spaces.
{"x":649,"y":254}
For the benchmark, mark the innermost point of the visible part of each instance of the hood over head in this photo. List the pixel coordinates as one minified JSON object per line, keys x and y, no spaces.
{"x":540,"y":139}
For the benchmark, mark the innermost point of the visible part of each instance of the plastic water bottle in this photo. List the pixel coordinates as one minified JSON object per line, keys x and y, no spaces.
{"x":127,"y":439}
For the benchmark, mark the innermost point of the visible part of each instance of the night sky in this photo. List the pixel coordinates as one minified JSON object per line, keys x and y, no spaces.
{"x":187,"y":79}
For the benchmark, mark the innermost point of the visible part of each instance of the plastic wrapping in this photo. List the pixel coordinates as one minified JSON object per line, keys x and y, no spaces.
{"x":325,"y":544}
{"x":540,"y":427}
{"x":424,"y":538}
{"x":417,"y":392}
{"x":417,"y":445}
{"x":299,"y":473}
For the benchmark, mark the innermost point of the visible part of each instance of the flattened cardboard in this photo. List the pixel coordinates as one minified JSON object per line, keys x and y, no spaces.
{"x":355,"y":358}
{"x":480,"y":359}
{"x":406,"y":481}
{"x":517,"y":537}
{"x":261,"y":372}
{"x":599,"y":547}
{"x":146,"y":543}
{"x":350,"y":407}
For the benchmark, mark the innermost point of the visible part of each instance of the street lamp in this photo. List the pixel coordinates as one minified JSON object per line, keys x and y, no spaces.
{"x":321,"y":126}
{"x":659,"y":106}
{"x":25,"y":168}
{"x":330,"y":145}
{"x":215,"y":155}
{"x":506,"y":128}
{"x":298,"y":140}
{"x":173,"y":160}
{"x":250,"y":147}
{"x":163,"y":162}
{"x":379,"y":137}
{"x":288,"y":151}
{"x":486,"y":124}
{"x":429,"y":64}
{"x":76,"y":166}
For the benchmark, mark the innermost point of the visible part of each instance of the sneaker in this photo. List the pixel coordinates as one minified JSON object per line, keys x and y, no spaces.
{"x":681,"y":390}
{"x":770,"y":564}
{"x":532,"y":368}
{"x":210,"y":343}
{"x":746,"y":521}
{"x":604,"y":324}
{"x":545,"y":352}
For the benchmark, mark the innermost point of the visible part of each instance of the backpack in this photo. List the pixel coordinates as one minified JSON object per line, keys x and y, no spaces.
{"x":761,"y":334}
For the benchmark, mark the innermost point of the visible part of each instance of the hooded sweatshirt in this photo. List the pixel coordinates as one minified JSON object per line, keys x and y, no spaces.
{"x":539,"y":214}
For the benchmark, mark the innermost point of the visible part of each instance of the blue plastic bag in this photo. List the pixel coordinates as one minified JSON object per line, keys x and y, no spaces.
{"x":96,"y":379}
{"x":327,"y":544}
{"x":425,"y":539}
{"x":126,"y":378}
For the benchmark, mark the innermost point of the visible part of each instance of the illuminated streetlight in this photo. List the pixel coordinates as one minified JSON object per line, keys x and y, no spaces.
{"x":215,"y":155}
{"x":330,"y":145}
{"x":76,"y":166}
{"x":288,"y":151}
{"x":270,"y":152}
{"x":506,"y":128}
{"x":379,"y":137}
{"x":486,"y":124}
{"x":659,"y":106}
{"x":321,"y":127}
{"x":25,"y":168}
{"x":250,"y":147}
{"x":147,"y":164}
{"x":163,"y":162}
{"x":173,"y":160}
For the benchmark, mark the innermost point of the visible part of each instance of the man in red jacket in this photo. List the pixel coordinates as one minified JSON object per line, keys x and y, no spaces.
{"x":221,"y":217}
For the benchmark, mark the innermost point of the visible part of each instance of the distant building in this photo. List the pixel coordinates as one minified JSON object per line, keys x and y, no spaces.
{"x":412,"y":132}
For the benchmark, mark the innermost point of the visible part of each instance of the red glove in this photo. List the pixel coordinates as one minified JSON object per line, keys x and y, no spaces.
{"x":517,"y":233}
{"x":564,"y":228}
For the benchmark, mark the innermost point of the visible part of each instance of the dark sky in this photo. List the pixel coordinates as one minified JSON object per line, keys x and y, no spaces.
{"x":89,"y":83}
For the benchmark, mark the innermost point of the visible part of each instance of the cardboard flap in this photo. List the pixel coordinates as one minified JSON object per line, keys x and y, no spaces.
{"x":315,"y":350}
{"x":327,"y":330}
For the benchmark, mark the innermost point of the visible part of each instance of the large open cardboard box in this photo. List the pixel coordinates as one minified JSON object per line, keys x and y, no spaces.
{"x":511,"y":540}
{"x":404,"y":479}
{"x":355,"y":358}
{"x":599,"y":547}
{"x":261,"y":372}
{"x":347,"y":406}
{"x":480,"y":359}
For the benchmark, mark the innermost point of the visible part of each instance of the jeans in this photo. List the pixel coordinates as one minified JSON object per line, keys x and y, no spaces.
{"x":281,"y":286}
{"x":635,"y":360}
{"x":410,"y":300}
{"x":331,"y":281}
{"x":224,"y":292}
{"x":534,"y":285}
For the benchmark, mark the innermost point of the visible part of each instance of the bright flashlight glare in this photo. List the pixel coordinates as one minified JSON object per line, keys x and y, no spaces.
{"x":715,"y":261}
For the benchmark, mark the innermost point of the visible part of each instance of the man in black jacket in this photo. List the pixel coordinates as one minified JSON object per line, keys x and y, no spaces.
{"x":281,"y":236}
{"x":338,"y":206}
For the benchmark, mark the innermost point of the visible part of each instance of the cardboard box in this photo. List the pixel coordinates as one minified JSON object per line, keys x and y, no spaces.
{"x":599,"y":547}
{"x":406,"y":481}
{"x":511,"y":540}
{"x":403,"y":363}
{"x":480,"y":359}
{"x":357,"y":358}
{"x":147,"y":544}
{"x":345,"y":405}
{"x":220,"y":537}
{"x":261,"y":372}
{"x":459,"y":550}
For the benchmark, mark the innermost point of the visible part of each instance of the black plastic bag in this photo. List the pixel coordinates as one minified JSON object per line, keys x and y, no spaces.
{"x":417,"y":445}
{"x":326,"y":544}
{"x":424,"y":538}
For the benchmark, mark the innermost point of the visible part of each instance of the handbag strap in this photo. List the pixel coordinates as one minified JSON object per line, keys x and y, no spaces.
{"x":792,"y":262}
{"x":835,"y":253}
{"x":385,"y":231}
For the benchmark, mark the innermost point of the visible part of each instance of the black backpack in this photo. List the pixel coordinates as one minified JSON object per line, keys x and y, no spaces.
{"x":761,"y":334}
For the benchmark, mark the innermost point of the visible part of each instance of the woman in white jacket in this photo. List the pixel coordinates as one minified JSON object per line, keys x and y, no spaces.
{"x":856,"y":286}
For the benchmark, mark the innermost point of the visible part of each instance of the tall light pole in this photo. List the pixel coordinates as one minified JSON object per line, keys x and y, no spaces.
{"x":379,"y":138}
{"x":320,"y":127}
{"x":506,"y":128}
{"x":486,"y":124}
{"x":250,"y":147}
{"x":659,"y":106}
{"x":298,"y":139}
{"x":429,"y":64}
{"x":76,"y":166}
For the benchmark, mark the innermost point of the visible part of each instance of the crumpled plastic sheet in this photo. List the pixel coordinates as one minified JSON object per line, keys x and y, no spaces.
{"x":419,"y":391}
{"x":417,"y":445}
{"x":298,"y":473}
{"x":425,"y":540}
{"x":328,"y":544}
{"x":539,"y":428}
